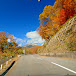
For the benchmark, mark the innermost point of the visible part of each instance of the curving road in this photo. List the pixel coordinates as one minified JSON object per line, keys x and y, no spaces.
{"x":34,"y":65}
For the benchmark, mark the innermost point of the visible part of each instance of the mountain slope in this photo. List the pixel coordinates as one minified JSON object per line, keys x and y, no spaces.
{"x":29,"y":45}
{"x":64,"y":40}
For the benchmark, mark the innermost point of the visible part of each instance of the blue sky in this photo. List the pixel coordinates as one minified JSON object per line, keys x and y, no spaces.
{"x":21,"y":19}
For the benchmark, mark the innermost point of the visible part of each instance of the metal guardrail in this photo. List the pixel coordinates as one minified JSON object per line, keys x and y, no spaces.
{"x":5,"y":60}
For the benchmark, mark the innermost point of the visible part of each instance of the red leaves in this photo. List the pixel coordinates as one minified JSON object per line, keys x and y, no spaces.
{"x":67,"y":11}
{"x":62,"y":17}
{"x":69,"y":6}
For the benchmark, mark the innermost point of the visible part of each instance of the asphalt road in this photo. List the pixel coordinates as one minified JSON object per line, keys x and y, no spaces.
{"x":34,"y":65}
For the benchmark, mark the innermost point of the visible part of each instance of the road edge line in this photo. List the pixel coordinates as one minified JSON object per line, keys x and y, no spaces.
{"x":64,"y":67}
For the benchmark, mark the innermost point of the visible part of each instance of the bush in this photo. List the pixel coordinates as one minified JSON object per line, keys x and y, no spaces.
{"x":71,"y":41}
{"x":5,"y":51}
{"x":4,"y":55}
{"x":11,"y":54}
{"x":71,"y":46}
{"x":20,"y":51}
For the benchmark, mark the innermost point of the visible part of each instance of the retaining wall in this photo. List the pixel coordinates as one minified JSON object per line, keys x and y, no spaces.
{"x":64,"y":55}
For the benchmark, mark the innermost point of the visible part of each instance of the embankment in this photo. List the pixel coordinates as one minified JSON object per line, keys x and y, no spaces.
{"x":64,"y":41}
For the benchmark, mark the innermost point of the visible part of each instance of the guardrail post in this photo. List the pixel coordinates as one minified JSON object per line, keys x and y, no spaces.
{"x":1,"y":66}
{"x":10,"y":60}
{"x":6,"y":62}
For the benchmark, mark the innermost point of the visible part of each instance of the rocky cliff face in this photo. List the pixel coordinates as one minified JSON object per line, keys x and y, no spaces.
{"x":64,"y":40}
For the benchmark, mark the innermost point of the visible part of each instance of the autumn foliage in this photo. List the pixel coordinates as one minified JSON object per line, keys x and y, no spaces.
{"x":62,"y":17}
{"x":32,"y":50}
{"x":8,"y":48}
{"x":53,"y":17}
{"x":67,"y":11}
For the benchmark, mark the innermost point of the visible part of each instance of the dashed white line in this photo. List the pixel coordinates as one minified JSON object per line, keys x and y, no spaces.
{"x":64,"y":67}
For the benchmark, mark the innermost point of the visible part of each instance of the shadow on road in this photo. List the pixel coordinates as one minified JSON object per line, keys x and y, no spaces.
{"x":8,"y":69}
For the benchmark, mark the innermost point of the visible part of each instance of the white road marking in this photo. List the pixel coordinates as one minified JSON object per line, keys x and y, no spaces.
{"x":64,"y":67}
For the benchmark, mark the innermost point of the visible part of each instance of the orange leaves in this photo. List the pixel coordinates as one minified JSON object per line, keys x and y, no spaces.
{"x":43,"y":32}
{"x":50,"y":18}
{"x":69,"y":6}
{"x":33,"y":50}
{"x":62,"y":17}
{"x":3,"y":41}
{"x":46,"y":31}
{"x":67,"y":11}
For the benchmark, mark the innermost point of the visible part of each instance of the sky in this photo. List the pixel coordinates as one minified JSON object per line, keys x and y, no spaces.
{"x":21,"y":19}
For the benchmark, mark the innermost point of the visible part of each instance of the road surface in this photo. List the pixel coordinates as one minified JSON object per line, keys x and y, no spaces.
{"x":34,"y":65}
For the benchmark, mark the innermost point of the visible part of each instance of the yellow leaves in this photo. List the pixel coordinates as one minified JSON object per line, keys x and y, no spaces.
{"x":43,"y":16}
{"x":50,"y":28}
{"x":47,"y":8}
{"x":46,"y":12}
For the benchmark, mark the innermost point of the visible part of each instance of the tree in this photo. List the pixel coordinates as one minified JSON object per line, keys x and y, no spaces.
{"x":46,"y":28}
{"x":4,"y":44}
{"x":3,"y":40}
{"x":62,"y":17}
{"x":42,"y":32}
{"x":45,"y":15}
{"x":69,"y":6}
{"x":67,"y":11}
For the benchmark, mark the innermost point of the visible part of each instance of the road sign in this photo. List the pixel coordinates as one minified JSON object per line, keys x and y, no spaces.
{"x":24,"y":51}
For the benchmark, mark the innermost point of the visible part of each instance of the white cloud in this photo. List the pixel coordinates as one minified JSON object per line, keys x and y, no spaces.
{"x":33,"y":34}
{"x":20,"y":41}
{"x":19,"y":44}
{"x":34,"y":37}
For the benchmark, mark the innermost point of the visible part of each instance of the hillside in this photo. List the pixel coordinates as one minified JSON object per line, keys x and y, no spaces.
{"x":29,"y":45}
{"x":64,"y":40}
{"x":31,"y":48}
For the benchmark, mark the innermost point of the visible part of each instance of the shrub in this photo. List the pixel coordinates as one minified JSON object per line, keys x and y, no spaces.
{"x":71,"y":41}
{"x":20,"y":51}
